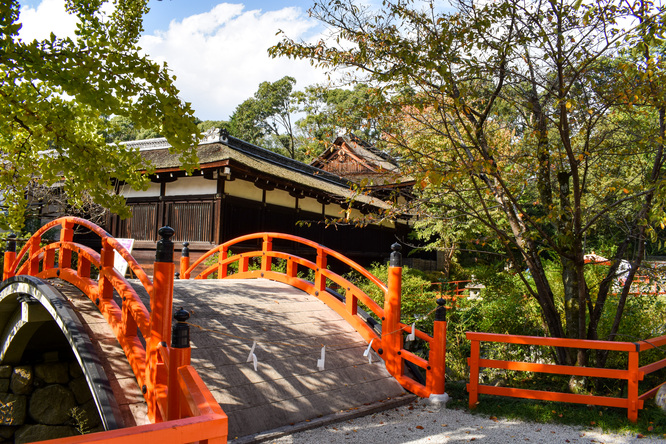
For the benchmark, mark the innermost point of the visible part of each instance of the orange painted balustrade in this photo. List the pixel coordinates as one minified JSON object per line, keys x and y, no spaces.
{"x":389,"y":345}
{"x":179,"y":405}
{"x":633,"y":374}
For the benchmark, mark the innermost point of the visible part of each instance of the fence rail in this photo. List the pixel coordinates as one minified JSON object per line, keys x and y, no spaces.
{"x":633,"y":374}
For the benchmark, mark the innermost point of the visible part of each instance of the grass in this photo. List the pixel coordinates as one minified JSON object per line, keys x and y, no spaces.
{"x":651,"y":419}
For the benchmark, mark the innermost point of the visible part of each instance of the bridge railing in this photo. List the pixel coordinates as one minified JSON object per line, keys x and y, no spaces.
{"x":145,"y":336}
{"x":633,"y":374}
{"x":389,"y":345}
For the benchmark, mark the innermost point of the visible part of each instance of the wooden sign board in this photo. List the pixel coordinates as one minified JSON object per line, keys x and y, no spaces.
{"x":119,"y":263}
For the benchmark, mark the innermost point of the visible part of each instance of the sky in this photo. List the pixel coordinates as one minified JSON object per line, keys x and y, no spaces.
{"x":217,"y":50}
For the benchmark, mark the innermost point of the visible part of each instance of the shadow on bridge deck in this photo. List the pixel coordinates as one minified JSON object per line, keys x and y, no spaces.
{"x":287,"y":391}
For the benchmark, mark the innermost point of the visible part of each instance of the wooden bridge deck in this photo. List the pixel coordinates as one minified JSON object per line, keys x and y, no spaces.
{"x":118,"y":370}
{"x":290,"y":327}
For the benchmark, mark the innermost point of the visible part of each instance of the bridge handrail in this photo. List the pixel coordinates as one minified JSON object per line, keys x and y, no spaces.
{"x":113,"y":243}
{"x":157,"y":365}
{"x":289,"y":237}
{"x":389,"y":345}
{"x":633,"y":374}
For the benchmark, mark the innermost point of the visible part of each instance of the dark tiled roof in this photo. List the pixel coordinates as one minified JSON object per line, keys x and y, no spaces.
{"x":157,"y":153}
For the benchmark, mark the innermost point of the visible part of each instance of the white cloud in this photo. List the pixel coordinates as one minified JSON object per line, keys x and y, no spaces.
{"x":49,"y":16}
{"x":220,"y":57}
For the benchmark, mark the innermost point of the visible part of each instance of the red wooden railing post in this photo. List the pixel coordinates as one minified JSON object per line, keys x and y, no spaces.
{"x":33,"y":266}
{"x":185,"y":261}
{"x":391,"y":332}
{"x":632,"y":386}
{"x":106,"y":266}
{"x":437,"y":356}
{"x":320,"y":279}
{"x":473,"y":362}
{"x":179,"y":355}
{"x":160,"y":318}
{"x":66,"y":235}
{"x":266,"y":246}
{"x":292,"y":268}
{"x":10,"y":257}
{"x":222,"y":269}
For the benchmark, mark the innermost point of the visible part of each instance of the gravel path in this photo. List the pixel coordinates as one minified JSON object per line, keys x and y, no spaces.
{"x":423,"y":423}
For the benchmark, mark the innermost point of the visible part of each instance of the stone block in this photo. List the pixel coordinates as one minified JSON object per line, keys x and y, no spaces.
{"x":12,"y":409}
{"x":6,"y":371}
{"x":41,"y":432}
{"x":660,"y":399}
{"x":89,"y":417}
{"x":22,"y":379}
{"x":4,"y":385}
{"x":53,"y":373}
{"x":79,"y":387}
{"x":7,"y":432}
{"x":52,"y":405}
{"x":75,"y":369}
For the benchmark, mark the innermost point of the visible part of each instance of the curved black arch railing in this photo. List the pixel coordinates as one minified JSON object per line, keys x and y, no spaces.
{"x":16,"y":288}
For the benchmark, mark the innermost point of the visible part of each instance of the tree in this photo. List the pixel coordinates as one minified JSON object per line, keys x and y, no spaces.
{"x":266,"y":117}
{"x":122,"y":129}
{"x":543,"y":121}
{"x":330,"y":112}
{"x":55,"y":94}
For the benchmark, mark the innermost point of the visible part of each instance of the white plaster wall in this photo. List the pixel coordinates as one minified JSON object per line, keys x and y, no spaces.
{"x":281,"y":198}
{"x":388,"y":223}
{"x":333,"y":210}
{"x":243,"y":188}
{"x":152,"y":191}
{"x":186,"y":186}
{"x":309,"y":204}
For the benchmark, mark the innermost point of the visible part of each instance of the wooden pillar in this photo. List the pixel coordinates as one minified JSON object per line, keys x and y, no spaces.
{"x":10,"y":257}
{"x":437,"y":356}
{"x":392,"y":340}
{"x":160,"y":318}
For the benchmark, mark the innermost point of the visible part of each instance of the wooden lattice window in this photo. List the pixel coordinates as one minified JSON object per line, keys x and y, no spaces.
{"x":143,"y":223}
{"x":192,"y":221}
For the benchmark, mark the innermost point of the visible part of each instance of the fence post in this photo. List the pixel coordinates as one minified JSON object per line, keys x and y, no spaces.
{"x":10,"y":257}
{"x":473,"y":362}
{"x":632,"y":386}
{"x":392,"y":340}
{"x":179,"y":355}
{"x":437,"y":356}
{"x":160,"y":317}
{"x":185,"y":261}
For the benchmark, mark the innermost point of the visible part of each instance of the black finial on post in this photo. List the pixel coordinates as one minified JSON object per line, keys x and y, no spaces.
{"x":440,"y":311}
{"x":396,"y":256}
{"x":185,"y":252}
{"x":11,"y":243}
{"x":180,"y":334}
{"x":164,"y":251}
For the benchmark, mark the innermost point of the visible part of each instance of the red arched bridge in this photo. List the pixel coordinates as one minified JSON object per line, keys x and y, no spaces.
{"x":70,"y":284}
